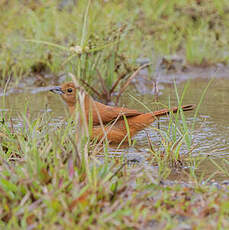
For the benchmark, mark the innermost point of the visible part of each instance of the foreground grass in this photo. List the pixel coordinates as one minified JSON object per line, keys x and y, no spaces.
{"x":47,"y":181}
{"x":115,"y":32}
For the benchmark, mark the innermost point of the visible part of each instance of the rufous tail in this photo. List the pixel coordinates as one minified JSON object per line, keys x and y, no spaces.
{"x":163,"y":112}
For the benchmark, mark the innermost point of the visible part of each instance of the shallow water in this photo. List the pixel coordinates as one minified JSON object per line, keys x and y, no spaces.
{"x":210,"y":136}
{"x":211,"y":133}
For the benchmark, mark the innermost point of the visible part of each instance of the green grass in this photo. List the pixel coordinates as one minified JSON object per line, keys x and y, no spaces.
{"x":50,"y":181}
{"x":115,"y":32}
{"x":47,"y":180}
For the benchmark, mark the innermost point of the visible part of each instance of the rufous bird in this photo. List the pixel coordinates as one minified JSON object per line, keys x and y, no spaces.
{"x":112,"y":118}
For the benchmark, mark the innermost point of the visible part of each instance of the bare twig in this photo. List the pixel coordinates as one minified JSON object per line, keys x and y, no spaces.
{"x":102,"y":83}
{"x":122,"y":76}
{"x":91,"y":88}
{"x":150,"y":143}
{"x":130,"y":79}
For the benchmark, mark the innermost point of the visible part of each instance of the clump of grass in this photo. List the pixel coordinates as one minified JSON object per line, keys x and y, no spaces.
{"x":174,"y":152}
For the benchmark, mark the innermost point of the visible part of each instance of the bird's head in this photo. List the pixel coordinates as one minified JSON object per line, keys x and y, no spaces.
{"x":67,"y":92}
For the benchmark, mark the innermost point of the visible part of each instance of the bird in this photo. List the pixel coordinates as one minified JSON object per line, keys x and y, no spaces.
{"x":118,"y":123}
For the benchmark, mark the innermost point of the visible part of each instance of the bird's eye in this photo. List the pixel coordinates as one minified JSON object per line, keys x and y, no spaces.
{"x":69,"y":90}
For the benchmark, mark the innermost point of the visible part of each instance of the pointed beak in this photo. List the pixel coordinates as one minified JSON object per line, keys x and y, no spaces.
{"x":57,"y":90}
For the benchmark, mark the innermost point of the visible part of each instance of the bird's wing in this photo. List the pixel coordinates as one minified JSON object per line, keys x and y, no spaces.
{"x":110,"y":113}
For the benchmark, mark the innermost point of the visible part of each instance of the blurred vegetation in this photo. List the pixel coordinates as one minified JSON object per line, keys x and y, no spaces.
{"x":111,"y":35}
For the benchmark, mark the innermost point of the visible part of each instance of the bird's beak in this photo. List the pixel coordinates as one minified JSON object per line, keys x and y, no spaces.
{"x":57,"y":90}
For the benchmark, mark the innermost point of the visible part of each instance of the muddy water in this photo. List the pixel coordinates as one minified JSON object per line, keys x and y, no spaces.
{"x":211,"y":133}
{"x":210,"y":136}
